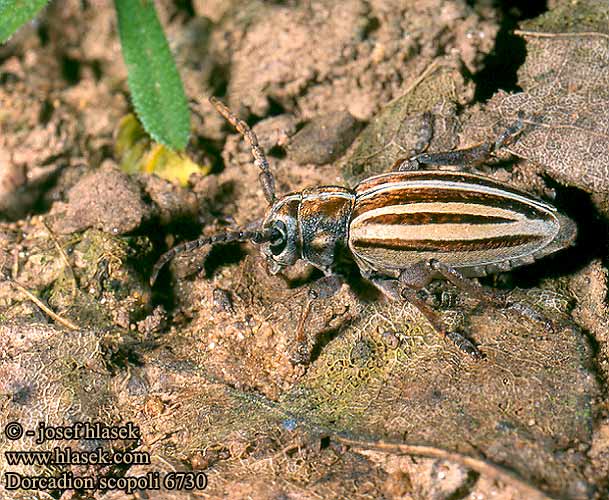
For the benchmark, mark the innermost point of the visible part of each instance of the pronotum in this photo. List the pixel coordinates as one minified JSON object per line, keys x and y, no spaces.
{"x":403,"y":229}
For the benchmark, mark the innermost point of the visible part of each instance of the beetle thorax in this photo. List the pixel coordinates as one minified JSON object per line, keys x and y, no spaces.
{"x":314,"y":225}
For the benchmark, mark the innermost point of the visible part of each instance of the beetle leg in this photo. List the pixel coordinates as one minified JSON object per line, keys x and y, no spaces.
{"x":323,"y":288}
{"x":399,"y":289}
{"x":474,"y":155}
{"x":508,"y":136}
{"x":489,"y":296}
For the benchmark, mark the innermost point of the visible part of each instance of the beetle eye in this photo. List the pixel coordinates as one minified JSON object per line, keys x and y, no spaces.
{"x":279,"y":238}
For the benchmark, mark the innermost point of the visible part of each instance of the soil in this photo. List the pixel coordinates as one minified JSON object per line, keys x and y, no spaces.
{"x":203,"y":362}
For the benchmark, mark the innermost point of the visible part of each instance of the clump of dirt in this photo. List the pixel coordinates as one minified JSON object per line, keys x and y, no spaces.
{"x":106,"y":199}
{"x":324,"y":139}
{"x":354,"y":55}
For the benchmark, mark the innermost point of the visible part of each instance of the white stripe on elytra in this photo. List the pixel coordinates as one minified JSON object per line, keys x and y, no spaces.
{"x":444,"y":208}
{"x":457,"y":186}
{"x":452,"y":232}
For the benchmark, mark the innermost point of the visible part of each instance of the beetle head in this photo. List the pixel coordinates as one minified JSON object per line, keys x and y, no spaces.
{"x":283,"y":249}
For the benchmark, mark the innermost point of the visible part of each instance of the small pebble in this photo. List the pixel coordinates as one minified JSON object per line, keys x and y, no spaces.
{"x":324,"y":139}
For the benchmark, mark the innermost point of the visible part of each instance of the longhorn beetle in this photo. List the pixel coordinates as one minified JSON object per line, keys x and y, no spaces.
{"x":403,"y":229}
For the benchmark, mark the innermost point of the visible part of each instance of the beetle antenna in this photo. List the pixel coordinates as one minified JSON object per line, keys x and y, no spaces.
{"x":228,"y":237}
{"x":266,"y":178}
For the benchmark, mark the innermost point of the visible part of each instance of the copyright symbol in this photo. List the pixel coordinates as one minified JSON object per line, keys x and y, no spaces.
{"x":13,"y":431}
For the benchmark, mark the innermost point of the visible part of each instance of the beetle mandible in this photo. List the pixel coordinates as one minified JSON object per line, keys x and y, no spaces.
{"x":403,"y":229}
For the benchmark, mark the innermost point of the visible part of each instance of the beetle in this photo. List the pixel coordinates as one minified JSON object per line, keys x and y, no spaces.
{"x":403,"y":229}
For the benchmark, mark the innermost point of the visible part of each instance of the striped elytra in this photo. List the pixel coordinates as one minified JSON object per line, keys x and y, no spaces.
{"x":469,"y":222}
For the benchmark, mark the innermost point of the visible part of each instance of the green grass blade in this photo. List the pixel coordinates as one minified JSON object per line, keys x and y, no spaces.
{"x":154,"y":82}
{"x":15,"y":13}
